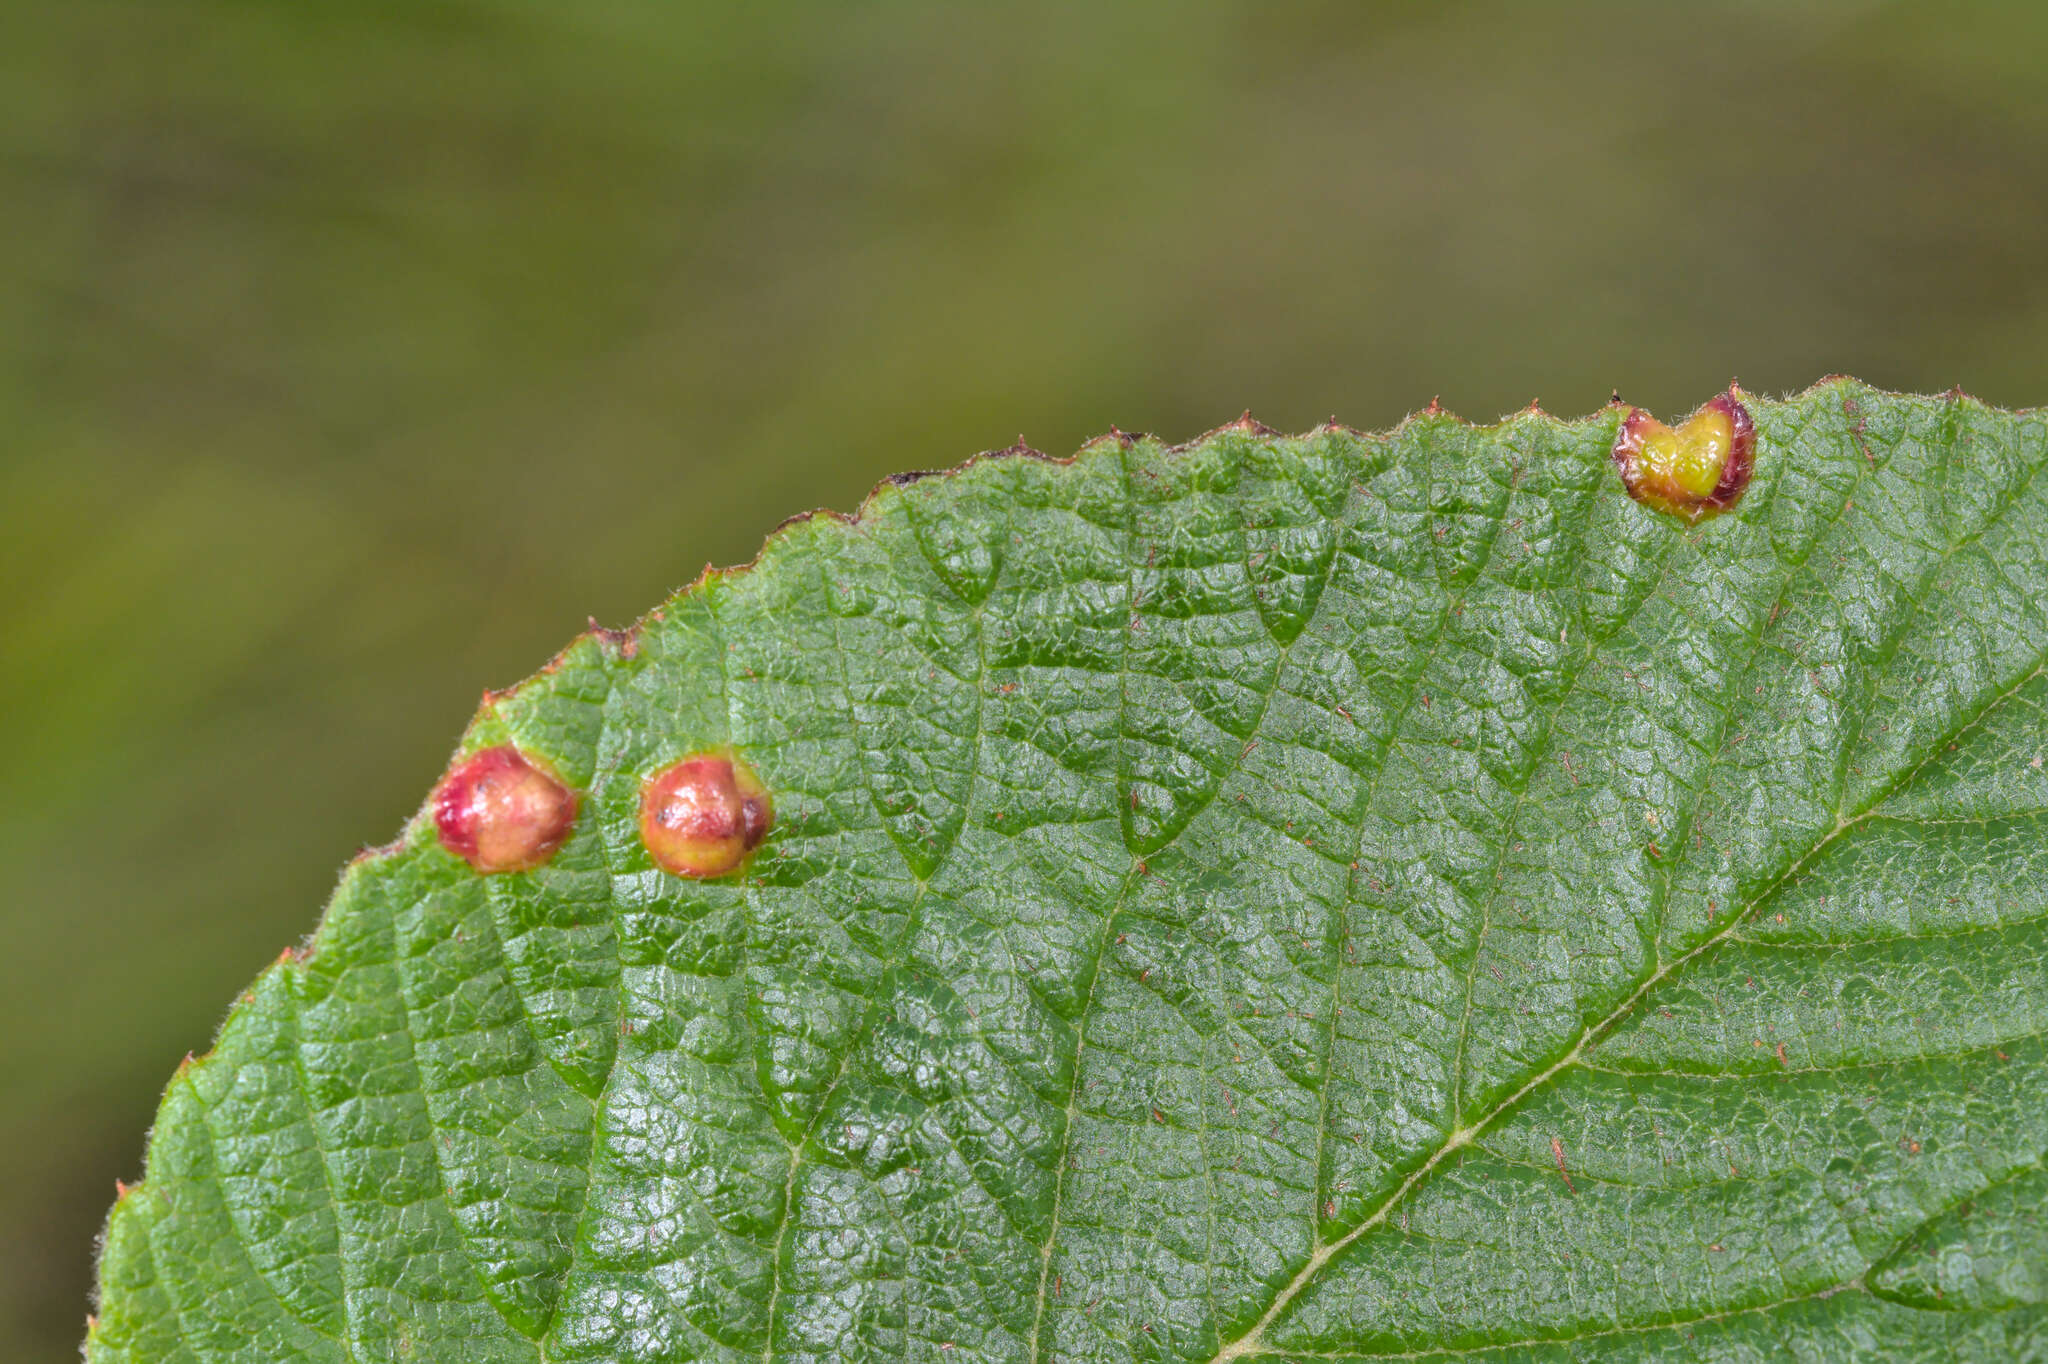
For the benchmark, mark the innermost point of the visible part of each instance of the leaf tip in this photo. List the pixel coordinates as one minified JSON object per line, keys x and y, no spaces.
{"x":1436,"y":411}
{"x":620,"y":643}
{"x":370,"y":852}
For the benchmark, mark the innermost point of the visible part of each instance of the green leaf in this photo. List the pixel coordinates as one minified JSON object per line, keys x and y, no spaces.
{"x":1330,"y":897}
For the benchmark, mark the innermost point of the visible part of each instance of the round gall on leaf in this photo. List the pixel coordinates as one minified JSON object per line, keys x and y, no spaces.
{"x":500,"y":811}
{"x":703,"y":815}
{"x":1695,"y":470}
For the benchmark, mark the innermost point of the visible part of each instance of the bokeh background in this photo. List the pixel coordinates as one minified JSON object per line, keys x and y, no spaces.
{"x":352,"y":352}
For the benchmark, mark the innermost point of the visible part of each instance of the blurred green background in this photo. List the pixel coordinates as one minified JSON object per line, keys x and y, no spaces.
{"x":351,"y":354}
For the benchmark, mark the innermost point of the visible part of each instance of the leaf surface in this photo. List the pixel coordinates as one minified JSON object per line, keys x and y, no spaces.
{"x":1330,"y":897}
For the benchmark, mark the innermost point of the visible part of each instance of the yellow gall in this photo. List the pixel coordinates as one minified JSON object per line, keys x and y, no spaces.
{"x":1695,"y":470}
{"x":701,"y":817}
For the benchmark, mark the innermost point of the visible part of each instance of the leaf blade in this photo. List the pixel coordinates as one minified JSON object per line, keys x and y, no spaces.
{"x":1220,"y":888}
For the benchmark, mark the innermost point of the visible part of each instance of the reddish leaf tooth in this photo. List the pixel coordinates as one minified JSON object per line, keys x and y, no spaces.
{"x":701,"y":817}
{"x":501,"y":811}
